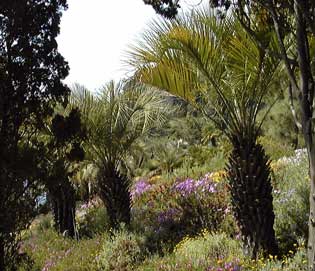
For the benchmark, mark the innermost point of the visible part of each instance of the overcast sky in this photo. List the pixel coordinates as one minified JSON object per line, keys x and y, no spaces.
{"x":95,"y":34}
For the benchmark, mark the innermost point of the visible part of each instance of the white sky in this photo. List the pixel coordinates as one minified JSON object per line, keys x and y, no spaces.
{"x":95,"y":34}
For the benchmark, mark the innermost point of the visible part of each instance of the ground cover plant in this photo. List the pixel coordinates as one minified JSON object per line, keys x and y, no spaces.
{"x":164,"y":238}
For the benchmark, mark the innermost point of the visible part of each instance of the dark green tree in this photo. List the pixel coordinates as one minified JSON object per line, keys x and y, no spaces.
{"x":30,"y":86}
{"x":167,"y":8}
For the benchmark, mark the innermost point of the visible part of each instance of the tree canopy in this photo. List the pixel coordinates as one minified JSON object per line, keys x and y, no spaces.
{"x":31,"y":74}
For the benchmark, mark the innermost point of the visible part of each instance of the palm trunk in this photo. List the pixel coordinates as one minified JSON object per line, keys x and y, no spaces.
{"x":115,"y":194}
{"x":64,"y":209}
{"x":251,"y":191}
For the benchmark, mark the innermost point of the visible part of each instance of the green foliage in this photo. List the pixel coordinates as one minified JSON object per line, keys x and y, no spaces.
{"x":291,"y":200}
{"x":280,"y":129}
{"x":122,"y":252}
{"x":217,"y":252}
{"x":51,"y":251}
{"x":31,"y":74}
{"x":42,"y":223}
{"x":93,"y":222}
{"x":196,"y":254}
{"x":275,"y":147}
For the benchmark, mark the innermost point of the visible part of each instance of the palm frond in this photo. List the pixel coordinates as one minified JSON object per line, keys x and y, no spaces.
{"x":200,"y":57}
{"x":117,"y":116}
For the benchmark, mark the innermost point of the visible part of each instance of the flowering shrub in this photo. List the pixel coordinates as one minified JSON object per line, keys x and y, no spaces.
{"x":291,"y":201}
{"x":167,"y":212}
{"x":204,"y":203}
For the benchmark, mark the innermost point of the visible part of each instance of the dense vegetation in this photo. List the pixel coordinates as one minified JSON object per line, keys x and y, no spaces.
{"x":201,"y":160}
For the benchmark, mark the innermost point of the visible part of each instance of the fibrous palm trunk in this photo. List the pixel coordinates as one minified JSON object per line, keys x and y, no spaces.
{"x":115,"y":194}
{"x":248,"y":171}
{"x":63,"y":201}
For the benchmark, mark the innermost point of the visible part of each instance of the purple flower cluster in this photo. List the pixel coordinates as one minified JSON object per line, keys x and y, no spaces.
{"x":139,"y":188}
{"x":190,"y":186}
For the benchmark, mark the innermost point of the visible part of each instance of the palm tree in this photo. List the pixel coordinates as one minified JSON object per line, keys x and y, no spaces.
{"x":62,"y":136}
{"x":212,"y":63}
{"x":115,"y":120}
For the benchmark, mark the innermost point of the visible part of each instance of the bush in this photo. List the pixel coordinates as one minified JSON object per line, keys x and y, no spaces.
{"x":218,"y":252}
{"x":121,"y":253}
{"x":200,"y":253}
{"x":93,"y":221}
{"x":291,"y":200}
{"x":165,"y":213}
{"x":51,"y":251}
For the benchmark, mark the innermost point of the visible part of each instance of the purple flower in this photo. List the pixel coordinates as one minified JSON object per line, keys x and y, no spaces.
{"x":186,"y":187}
{"x":190,"y":186}
{"x":140,"y":187}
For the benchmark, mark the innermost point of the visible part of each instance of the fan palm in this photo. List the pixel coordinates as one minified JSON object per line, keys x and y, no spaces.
{"x":115,"y":120}
{"x":212,"y":63}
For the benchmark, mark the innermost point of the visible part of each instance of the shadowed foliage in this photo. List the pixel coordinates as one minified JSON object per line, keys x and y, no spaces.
{"x":30,"y":85}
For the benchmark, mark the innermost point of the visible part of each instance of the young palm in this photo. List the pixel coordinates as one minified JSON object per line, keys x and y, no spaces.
{"x":214,"y":65}
{"x":115,"y":120}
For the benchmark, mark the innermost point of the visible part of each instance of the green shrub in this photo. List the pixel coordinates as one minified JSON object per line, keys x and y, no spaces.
{"x":198,"y":254}
{"x":121,"y":253}
{"x":291,"y":262}
{"x":51,"y":251}
{"x":93,"y":222}
{"x":42,"y":223}
{"x":291,"y":201}
{"x":208,"y":246}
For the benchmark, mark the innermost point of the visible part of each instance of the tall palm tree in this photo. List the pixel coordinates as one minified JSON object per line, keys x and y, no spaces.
{"x":212,"y":63}
{"x":115,"y":120}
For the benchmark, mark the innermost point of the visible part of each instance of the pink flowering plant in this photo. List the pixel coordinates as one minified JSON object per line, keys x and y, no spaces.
{"x":169,"y":211}
{"x":203,"y":202}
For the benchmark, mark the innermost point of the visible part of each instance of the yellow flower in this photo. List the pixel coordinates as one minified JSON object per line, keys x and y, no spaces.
{"x":218,"y":175}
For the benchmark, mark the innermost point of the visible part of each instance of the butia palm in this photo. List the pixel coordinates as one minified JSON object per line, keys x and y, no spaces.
{"x":115,"y":120}
{"x":212,"y":63}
